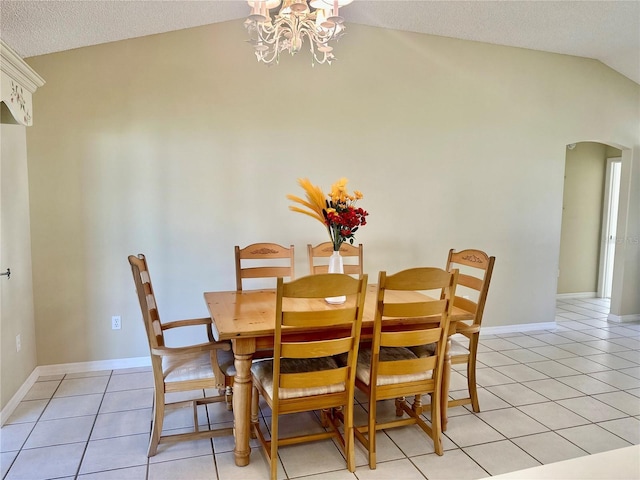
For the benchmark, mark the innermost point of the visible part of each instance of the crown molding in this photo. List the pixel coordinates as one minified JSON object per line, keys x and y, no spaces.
{"x":12,"y":65}
{"x":18,"y":81}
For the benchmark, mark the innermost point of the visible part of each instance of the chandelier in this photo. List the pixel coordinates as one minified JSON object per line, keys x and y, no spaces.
{"x":317,"y":20}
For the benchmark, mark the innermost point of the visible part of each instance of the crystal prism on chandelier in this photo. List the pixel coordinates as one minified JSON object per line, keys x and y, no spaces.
{"x":272,"y":34}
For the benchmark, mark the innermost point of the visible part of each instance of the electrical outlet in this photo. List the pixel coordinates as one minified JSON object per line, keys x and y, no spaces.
{"x":18,"y":342}
{"x":116,"y":323}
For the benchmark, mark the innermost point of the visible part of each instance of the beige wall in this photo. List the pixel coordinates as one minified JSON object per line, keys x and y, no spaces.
{"x":181,"y":146}
{"x":16,"y":292}
{"x":582,"y":218}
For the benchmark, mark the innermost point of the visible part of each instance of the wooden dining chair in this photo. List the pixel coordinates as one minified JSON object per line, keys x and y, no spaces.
{"x":319,"y":258}
{"x":255,"y":261}
{"x":303,"y":374}
{"x":177,"y":369}
{"x":264,"y":260}
{"x":475,"y":269}
{"x":389,"y":369}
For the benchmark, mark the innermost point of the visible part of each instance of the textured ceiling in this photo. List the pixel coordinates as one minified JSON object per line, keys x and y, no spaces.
{"x":608,"y":30}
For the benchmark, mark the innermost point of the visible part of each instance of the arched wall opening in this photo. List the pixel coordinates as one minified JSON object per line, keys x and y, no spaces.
{"x":584,"y":208}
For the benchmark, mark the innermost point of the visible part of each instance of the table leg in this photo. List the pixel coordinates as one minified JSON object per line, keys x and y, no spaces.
{"x":243,"y":349}
{"x":446,"y":380}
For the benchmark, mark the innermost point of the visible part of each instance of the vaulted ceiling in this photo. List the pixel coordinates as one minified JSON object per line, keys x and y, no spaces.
{"x":608,"y":31}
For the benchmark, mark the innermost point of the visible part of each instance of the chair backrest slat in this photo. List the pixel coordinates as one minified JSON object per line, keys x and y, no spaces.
{"x":414,"y":309}
{"x":406,"y":367}
{"x":316,"y":318}
{"x":314,"y":379}
{"x":310,"y":349}
{"x":466,"y":304}
{"x":265,"y":272}
{"x":469,"y":281}
{"x":411,"y":338}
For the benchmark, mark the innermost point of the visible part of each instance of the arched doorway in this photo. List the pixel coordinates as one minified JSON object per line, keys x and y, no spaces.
{"x":584,"y":213}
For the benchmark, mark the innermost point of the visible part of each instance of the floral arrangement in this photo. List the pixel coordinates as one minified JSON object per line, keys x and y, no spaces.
{"x":337,"y":211}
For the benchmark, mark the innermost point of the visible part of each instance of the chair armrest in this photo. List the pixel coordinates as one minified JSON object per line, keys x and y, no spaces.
{"x":191,"y":349}
{"x":186,"y":323}
{"x":467,"y":330}
{"x":191,"y":323}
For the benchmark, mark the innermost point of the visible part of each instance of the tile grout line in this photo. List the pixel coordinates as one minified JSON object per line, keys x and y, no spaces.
{"x":34,"y":425}
{"x":95,"y":419}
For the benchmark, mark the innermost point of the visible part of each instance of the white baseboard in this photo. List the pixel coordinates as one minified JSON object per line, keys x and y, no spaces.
{"x":525,"y":327}
{"x":623,"y":318}
{"x":17,"y":398}
{"x":95,"y":366}
{"x":561,"y":296}
{"x":63,"y":368}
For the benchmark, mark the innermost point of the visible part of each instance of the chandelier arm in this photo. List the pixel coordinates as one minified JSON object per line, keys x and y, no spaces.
{"x":272,"y":53}
{"x":314,"y":41}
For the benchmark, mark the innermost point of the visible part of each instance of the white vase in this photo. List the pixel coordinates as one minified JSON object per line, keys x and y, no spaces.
{"x":336,"y":266}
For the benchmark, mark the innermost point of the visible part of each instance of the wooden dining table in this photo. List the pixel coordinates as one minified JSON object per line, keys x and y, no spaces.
{"x":247,"y":318}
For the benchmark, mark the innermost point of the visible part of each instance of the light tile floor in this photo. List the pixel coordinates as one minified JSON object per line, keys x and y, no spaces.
{"x":545,"y":395}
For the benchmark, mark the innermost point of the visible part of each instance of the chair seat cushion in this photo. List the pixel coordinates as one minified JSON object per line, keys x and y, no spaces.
{"x":363,"y":370}
{"x":458,"y":348}
{"x":226,"y":362}
{"x":263,"y":372}
{"x":428,"y":350}
{"x":179,"y":368}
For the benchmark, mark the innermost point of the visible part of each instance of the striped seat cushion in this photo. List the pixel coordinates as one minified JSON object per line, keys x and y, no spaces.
{"x":363,"y":371}
{"x":191,"y":367}
{"x":424,"y":350}
{"x":226,"y":360}
{"x":263,"y":371}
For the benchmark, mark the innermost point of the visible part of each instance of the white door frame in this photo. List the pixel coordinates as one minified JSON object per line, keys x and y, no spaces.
{"x":609,"y":226}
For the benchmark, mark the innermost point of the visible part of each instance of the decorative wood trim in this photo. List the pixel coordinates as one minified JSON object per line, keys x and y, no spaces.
{"x":473,"y":258}
{"x":17,"y":83}
{"x":263,"y":251}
